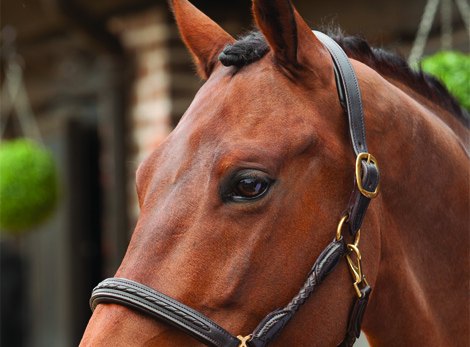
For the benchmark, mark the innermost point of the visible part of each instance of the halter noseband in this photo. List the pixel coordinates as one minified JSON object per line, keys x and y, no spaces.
{"x":157,"y":305}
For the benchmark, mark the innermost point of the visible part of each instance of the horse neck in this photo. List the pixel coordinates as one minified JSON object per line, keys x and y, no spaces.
{"x":421,"y":290}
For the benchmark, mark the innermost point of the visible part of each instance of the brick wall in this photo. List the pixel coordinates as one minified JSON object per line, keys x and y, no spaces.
{"x":145,"y":36}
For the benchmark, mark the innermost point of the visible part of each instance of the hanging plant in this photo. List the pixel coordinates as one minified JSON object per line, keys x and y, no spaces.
{"x":453,"y":69}
{"x":28,"y":185}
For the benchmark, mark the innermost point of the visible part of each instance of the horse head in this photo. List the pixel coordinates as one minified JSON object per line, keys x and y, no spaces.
{"x":242,"y":197}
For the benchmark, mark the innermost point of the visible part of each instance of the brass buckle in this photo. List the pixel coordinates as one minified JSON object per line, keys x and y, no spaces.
{"x":356,"y":267}
{"x":243,"y":340}
{"x":370,"y":158}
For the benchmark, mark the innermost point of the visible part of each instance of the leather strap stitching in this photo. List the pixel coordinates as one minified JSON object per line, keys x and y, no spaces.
{"x":153,"y":292}
{"x":354,"y":119}
{"x":105,"y":294}
{"x":108,"y":297}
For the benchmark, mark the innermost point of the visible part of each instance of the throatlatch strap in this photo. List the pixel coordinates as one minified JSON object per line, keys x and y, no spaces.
{"x":349,"y":92}
{"x":149,"y":301}
{"x":350,"y":97}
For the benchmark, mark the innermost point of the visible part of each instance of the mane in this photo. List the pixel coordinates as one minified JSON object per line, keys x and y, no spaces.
{"x":252,"y":47}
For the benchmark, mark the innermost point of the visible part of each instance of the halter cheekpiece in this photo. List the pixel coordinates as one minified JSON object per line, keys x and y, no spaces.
{"x":162,"y":307}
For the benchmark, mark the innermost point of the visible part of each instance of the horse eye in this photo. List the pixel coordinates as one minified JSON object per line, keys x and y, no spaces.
{"x":248,"y":185}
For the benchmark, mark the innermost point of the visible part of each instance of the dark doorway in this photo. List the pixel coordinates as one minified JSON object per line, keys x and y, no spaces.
{"x":85,"y":218}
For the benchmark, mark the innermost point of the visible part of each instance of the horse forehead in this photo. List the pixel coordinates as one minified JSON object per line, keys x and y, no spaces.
{"x":254,"y":112}
{"x":255,"y":103}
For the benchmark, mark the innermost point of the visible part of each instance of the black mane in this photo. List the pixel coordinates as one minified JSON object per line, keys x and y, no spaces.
{"x":252,"y":47}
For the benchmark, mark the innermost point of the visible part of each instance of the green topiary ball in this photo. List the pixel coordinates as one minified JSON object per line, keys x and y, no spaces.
{"x":453,"y":69}
{"x":28,"y":185}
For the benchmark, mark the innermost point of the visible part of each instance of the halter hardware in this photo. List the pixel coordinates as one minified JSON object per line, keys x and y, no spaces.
{"x":370,"y":158}
{"x":356,"y":267}
{"x":243,"y":340}
{"x":339,"y":228}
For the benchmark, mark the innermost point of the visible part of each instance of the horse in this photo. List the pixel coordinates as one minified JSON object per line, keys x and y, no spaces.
{"x":242,"y":197}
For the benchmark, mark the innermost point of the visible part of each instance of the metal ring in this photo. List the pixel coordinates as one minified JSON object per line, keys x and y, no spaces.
{"x":357,"y":238}
{"x":340,"y":227}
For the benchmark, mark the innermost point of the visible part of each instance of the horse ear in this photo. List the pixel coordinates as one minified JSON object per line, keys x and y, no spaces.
{"x":290,"y":38}
{"x":204,"y":38}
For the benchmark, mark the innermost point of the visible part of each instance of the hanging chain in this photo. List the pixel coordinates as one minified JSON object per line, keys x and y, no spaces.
{"x":446,"y":24}
{"x":464,"y":9}
{"x":423,"y":32}
{"x":427,"y":20}
{"x":15,"y":96}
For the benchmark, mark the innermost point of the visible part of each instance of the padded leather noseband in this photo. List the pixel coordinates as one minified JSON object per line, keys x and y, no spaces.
{"x":151,"y":302}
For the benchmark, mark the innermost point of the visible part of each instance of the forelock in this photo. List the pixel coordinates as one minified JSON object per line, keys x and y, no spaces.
{"x":248,"y":49}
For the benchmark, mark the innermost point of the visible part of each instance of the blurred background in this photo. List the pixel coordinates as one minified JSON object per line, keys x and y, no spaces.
{"x":104,"y":83}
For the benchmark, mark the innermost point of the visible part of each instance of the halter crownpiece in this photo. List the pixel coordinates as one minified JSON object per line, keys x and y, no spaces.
{"x":162,"y":307}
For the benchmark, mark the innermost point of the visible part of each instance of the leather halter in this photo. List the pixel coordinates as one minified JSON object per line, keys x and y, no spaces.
{"x":157,"y":305}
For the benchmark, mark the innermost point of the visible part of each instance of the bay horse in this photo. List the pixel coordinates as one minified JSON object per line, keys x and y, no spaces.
{"x":242,"y":197}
